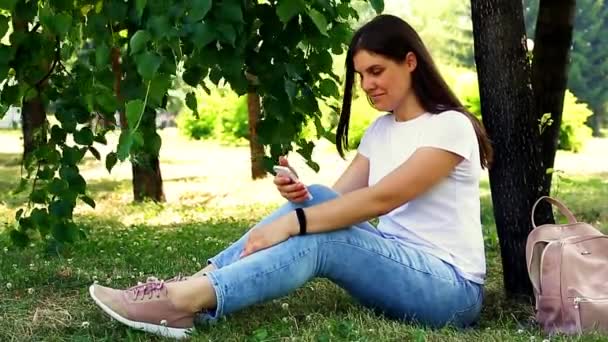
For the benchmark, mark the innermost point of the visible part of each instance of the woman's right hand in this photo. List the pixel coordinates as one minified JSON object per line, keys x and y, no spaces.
{"x":292,"y":191}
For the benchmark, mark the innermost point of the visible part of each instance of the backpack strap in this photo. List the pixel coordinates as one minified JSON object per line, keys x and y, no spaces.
{"x":562,"y":208}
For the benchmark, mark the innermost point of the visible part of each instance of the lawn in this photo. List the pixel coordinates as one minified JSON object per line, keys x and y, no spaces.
{"x":43,"y":291}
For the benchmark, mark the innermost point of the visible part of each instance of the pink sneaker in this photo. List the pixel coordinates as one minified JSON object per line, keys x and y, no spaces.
{"x":178,"y":277}
{"x":145,"y":307}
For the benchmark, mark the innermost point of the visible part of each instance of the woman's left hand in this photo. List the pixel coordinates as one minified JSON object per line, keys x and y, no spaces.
{"x":268,"y":235}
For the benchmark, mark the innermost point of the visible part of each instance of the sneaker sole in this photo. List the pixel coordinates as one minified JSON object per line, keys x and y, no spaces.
{"x":177,"y":333}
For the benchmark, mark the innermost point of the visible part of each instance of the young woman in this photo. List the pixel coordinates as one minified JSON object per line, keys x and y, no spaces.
{"x":417,"y":169}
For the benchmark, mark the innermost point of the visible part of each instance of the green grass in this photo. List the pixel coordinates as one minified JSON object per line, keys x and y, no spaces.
{"x":47,"y":299}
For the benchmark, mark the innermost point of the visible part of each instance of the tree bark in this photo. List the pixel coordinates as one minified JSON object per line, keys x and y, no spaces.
{"x":147,"y":180}
{"x":517,"y":175}
{"x":595,"y":121}
{"x":550,"y":74}
{"x":33,"y":118}
{"x":257,"y":149}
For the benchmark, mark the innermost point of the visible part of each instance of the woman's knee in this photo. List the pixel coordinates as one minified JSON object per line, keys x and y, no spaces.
{"x":321,"y":192}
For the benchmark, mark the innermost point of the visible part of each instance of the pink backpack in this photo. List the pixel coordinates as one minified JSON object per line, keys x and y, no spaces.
{"x":568,"y":268}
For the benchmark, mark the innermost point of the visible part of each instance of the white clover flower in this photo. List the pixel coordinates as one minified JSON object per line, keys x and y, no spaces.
{"x":520,"y":331}
{"x":85,"y":324}
{"x":141,"y":274}
{"x":118,"y":277}
{"x":285,"y":306}
{"x":9,"y":285}
{"x":5,"y":249}
{"x":285,"y":319}
{"x":169,"y":248}
{"x":69,"y":261}
{"x":109,"y":280}
{"x":32,"y":267}
{"x":30,"y":290}
{"x":194,"y":259}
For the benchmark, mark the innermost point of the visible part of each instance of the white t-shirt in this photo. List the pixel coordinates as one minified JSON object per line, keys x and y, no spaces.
{"x":445,"y":220}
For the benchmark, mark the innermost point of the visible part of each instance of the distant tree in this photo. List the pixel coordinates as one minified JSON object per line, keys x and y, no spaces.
{"x":589,"y":55}
{"x":446,"y":28}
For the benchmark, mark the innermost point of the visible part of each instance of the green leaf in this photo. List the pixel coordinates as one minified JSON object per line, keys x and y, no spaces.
{"x":158,"y":89}
{"x":134,"y":111}
{"x":58,"y":134}
{"x":18,"y":214}
{"x":101,"y":139}
{"x":20,"y":239}
{"x":107,"y":101}
{"x":71,"y":155}
{"x":11,"y":95}
{"x":191,"y":102}
{"x":125,"y":141}
{"x":138,"y":139}
{"x":102,"y":55}
{"x":6,"y":54}
{"x":328,"y":88}
{"x":159,"y":26}
{"x":202,"y":35}
{"x":154,"y":143}
{"x":378,"y":5}
{"x":8,"y":5}
{"x":138,"y":41}
{"x":227,"y":33}
{"x":148,"y":64}
{"x":319,"y":20}
{"x":288,"y":9}
{"x":65,"y":232}
{"x":199,"y":9}
{"x":140,"y":5}
{"x":61,"y":24}
{"x":88,"y":200}
{"x":58,"y":186}
{"x":84,"y":136}
{"x":193,"y":75}
{"x":111,"y":160}
{"x":230,"y":10}
{"x":3,"y":25}
{"x":46,"y":173}
{"x":38,"y":196}
{"x":40,"y":220}
{"x":94,"y":152}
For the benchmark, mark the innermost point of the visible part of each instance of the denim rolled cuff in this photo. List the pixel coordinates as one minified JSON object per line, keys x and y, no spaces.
{"x":212,"y":315}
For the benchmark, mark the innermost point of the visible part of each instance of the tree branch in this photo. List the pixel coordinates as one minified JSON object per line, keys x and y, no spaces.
{"x":55,"y":62}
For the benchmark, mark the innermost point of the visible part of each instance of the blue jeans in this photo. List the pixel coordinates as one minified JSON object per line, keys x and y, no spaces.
{"x":382,"y":274}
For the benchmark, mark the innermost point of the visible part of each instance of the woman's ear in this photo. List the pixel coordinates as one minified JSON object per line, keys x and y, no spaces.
{"x":411,"y":61}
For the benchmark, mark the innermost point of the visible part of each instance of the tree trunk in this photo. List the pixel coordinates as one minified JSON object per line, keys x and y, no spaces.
{"x":517,"y":175}
{"x":257,"y":149}
{"x":550,"y":74}
{"x":595,"y":121}
{"x":147,"y":180}
{"x":33,"y":118}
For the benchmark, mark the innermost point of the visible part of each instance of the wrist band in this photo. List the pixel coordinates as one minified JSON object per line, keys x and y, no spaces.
{"x":301,"y":220}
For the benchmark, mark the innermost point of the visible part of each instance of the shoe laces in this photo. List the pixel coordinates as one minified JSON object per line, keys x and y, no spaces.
{"x":147,"y":290}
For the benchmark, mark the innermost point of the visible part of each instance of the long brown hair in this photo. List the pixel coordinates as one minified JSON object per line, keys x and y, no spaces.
{"x":393,"y":38}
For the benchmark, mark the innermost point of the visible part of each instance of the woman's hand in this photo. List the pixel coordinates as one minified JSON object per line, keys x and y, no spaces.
{"x":270,"y":234}
{"x":295,"y":192}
